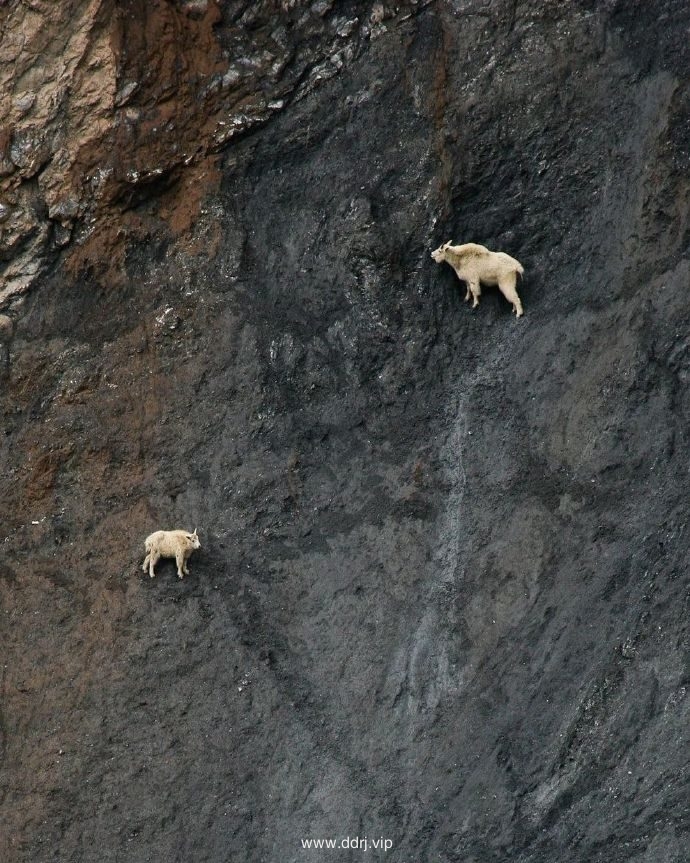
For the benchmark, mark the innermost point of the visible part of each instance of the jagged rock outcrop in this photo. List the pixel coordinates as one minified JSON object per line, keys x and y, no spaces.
{"x":106,"y":104}
{"x":441,"y":595}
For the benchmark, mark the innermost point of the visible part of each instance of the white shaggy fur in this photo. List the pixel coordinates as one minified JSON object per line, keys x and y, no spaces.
{"x":170,"y":543}
{"x":476,"y":265}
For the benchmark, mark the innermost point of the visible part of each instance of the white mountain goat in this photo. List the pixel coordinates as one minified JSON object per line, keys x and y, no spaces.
{"x":170,"y":543}
{"x":476,"y":265}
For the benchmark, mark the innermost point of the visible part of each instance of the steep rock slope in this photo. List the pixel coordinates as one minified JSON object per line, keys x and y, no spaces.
{"x":442,"y":593}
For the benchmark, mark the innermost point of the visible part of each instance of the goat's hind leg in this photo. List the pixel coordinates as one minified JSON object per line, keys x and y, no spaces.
{"x":507,"y":287}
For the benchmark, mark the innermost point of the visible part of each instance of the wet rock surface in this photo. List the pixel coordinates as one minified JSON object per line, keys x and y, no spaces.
{"x":442,"y":592}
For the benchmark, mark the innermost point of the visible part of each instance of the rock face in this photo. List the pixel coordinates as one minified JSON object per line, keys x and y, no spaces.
{"x":441,"y":597}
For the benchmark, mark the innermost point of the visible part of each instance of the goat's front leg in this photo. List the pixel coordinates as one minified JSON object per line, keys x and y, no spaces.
{"x":153,"y":560}
{"x":179,"y":559}
{"x":476,"y":291}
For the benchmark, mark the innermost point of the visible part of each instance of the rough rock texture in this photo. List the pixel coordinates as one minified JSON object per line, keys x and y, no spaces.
{"x":442,"y":593}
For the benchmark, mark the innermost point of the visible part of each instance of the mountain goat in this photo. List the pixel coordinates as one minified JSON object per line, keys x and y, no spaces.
{"x":170,"y":543}
{"x":475,"y":265}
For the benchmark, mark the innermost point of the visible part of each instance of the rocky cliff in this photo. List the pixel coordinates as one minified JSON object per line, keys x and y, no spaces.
{"x":442,"y":594}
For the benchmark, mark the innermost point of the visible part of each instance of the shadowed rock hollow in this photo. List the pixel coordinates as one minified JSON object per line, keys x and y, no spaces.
{"x":442,"y":592}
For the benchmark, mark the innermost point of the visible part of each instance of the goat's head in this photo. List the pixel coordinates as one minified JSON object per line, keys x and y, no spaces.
{"x":439,"y":254}
{"x":194,"y":539}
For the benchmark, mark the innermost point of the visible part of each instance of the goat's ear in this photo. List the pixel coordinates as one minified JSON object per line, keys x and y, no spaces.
{"x":194,"y":534}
